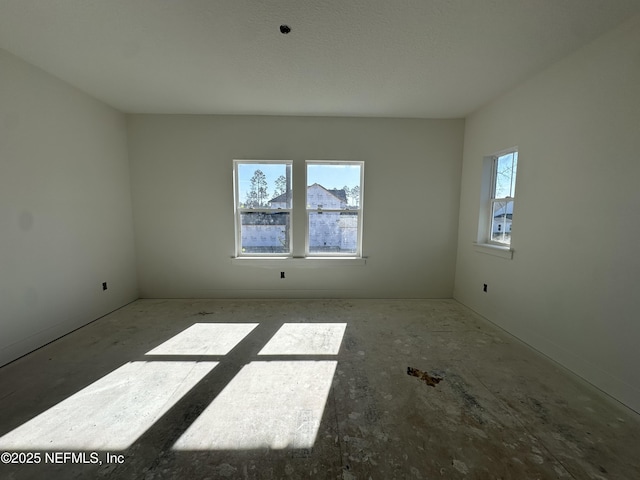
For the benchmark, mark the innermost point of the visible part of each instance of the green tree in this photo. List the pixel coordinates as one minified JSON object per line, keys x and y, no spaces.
{"x":257,"y":195}
{"x":348,"y":193}
{"x":355,"y":196}
{"x":281,"y":186}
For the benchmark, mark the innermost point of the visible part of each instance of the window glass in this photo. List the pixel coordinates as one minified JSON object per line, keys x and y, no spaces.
{"x":334,"y":185}
{"x":504,"y":168}
{"x":264,"y":185}
{"x":265,"y":232}
{"x":333,"y":232}
{"x":501,"y":217}
{"x":505,"y":175}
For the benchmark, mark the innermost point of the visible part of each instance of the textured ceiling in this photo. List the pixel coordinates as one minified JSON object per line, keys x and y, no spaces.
{"x":392,"y":58}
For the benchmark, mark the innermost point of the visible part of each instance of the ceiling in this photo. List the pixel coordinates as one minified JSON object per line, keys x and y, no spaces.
{"x":389,"y":58}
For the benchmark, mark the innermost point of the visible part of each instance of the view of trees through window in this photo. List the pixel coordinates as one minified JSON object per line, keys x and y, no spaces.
{"x":260,"y":184}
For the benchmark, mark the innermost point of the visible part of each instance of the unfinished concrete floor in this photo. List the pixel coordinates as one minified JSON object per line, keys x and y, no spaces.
{"x":266,"y":389}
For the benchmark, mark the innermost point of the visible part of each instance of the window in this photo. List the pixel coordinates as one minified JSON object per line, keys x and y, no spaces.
{"x":263,"y":204}
{"x":502,"y":197}
{"x":334,"y":208}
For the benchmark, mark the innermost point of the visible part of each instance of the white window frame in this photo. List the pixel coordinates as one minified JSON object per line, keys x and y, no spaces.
{"x":239,"y":210}
{"x":493,"y":200}
{"x":359,"y":210}
{"x":484,"y":242}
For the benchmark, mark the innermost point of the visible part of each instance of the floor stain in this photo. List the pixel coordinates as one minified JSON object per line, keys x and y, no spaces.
{"x":424,"y":376}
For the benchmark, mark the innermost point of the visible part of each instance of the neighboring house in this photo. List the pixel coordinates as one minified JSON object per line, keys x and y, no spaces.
{"x":328,"y":231}
{"x":280,"y":201}
{"x":265,"y":232}
{"x":317,"y":196}
{"x":320,"y":197}
{"x":502,"y":220}
{"x":333,"y":232}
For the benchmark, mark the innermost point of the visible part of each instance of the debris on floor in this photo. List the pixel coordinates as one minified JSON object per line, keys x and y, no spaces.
{"x":424,"y":376}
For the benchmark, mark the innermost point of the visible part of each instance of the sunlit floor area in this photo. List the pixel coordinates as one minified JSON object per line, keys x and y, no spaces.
{"x":292,"y":389}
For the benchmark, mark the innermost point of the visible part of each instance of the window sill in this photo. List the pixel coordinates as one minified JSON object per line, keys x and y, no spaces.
{"x":301,"y":262}
{"x":495,"y":250}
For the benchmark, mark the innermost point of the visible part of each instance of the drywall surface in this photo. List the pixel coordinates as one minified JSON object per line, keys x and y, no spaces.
{"x":182,"y":178}
{"x":572,"y":287}
{"x":65,"y":209}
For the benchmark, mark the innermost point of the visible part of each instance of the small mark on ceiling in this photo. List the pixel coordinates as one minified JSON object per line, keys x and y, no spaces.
{"x":285,"y":29}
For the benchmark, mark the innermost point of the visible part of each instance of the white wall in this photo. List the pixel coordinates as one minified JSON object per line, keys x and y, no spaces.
{"x":65,"y":209}
{"x":183,"y":203}
{"x":572,"y":289}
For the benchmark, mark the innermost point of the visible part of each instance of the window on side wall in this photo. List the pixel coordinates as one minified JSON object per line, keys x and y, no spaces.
{"x":502,"y":197}
{"x":263,"y":204}
{"x":334,"y":208}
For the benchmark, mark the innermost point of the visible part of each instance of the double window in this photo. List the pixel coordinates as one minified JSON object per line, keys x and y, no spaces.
{"x":265,"y":203}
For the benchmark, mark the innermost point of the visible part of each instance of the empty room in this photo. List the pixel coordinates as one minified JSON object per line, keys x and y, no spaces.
{"x":319,"y":239}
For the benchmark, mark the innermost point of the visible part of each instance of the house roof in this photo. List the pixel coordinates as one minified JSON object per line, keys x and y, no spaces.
{"x":282,"y":198}
{"x":340,"y":194}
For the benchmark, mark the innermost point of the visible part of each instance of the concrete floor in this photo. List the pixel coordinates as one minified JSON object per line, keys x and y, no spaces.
{"x":185,"y":389}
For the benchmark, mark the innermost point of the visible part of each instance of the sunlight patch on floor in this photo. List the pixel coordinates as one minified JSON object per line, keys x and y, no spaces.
{"x":111,"y":413}
{"x":271,"y":405}
{"x":306,"y":339}
{"x":205,"y":339}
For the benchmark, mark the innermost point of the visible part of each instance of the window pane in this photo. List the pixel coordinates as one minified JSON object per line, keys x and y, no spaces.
{"x":265,"y":232}
{"x":506,"y":167}
{"x":333,"y":232}
{"x":264,"y":185}
{"x":331,"y":186}
{"x":502,"y":215}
